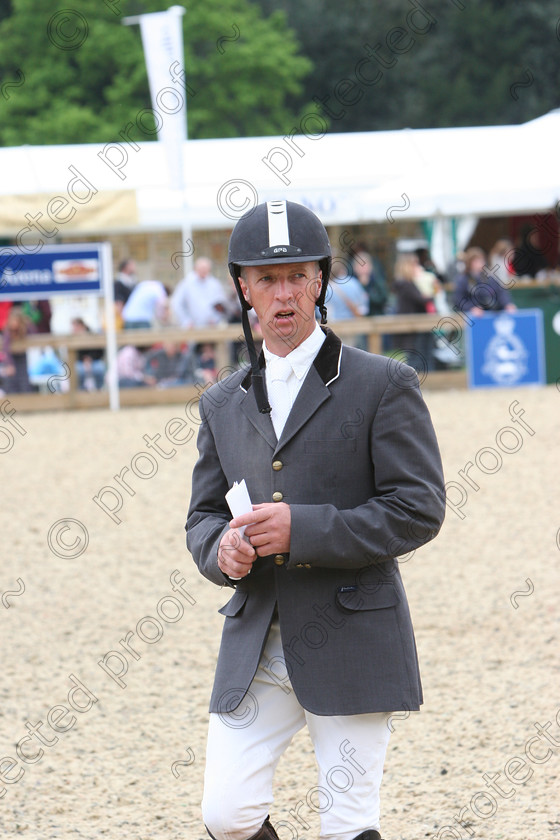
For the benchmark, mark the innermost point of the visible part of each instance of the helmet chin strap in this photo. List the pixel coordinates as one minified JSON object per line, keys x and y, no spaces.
{"x":257,"y":375}
{"x":320,"y":302}
{"x":257,"y":378}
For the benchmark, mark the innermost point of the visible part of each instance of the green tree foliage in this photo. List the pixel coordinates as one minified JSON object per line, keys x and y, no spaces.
{"x":78,"y":75}
{"x":241,"y":84}
{"x":463,"y":62}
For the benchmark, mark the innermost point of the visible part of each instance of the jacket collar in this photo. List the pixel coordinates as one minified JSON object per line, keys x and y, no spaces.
{"x":324,"y":370}
{"x":326,"y":362}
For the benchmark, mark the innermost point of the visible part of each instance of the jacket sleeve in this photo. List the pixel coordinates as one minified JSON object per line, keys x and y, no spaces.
{"x":408,"y":507}
{"x":503,"y":296}
{"x":461,"y":297}
{"x":208,"y":517}
{"x":410,"y":298}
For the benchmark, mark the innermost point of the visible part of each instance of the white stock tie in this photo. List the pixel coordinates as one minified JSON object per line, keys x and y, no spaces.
{"x":278,"y":372}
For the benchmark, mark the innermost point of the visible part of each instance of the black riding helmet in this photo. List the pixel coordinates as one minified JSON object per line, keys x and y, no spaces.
{"x":280,"y":232}
{"x":277,"y":232}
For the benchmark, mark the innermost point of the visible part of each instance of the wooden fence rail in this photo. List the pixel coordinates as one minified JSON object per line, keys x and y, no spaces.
{"x":374,"y":328}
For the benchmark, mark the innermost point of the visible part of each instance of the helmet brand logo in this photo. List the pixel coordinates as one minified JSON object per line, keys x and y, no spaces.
{"x":282,"y":251}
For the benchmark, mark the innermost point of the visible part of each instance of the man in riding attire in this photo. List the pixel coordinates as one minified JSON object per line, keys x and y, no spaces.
{"x":342,"y":466}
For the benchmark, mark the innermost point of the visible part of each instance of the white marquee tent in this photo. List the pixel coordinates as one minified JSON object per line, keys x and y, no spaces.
{"x":346,"y":178}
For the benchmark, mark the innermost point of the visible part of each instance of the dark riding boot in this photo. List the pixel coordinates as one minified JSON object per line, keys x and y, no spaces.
{"x":266,"y":832}
{"x":370,"y":834}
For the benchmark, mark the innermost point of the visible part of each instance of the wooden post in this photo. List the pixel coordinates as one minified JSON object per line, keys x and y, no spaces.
{"x":375,"y":342}
{"x":73,"y":379}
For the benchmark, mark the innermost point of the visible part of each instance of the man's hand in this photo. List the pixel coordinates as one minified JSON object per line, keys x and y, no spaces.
{"x":235,"y":555}
{"x":268,"y":527}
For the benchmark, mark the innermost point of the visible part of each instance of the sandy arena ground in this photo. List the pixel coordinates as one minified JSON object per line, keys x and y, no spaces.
{"x":127,"y":761}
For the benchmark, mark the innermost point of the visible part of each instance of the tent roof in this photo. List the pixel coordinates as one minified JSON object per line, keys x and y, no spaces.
{"x":503,"y":170}
{"x":346,"y":178}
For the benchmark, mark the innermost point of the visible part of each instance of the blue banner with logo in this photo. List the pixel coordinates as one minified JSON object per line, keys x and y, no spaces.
{"x":506,"y":349}
{"x":52,"y":270}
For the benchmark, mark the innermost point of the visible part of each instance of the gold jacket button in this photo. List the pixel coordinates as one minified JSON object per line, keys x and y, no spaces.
{"x":277,"y":496}
{"x":277,"y":465}
{"x":279,"y":559}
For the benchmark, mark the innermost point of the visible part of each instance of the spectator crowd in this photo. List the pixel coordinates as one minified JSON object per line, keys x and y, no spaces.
{"x":359,"y":288}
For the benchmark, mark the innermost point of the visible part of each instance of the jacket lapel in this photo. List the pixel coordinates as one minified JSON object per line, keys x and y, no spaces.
{"x":261,"y":422}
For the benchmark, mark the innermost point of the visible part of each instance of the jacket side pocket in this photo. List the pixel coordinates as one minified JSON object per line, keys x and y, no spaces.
{"x":353,"y":599}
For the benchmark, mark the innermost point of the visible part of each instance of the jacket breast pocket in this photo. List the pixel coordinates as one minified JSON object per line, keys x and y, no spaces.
{"x":353,"y":599}
{"x":234,"y":605}
{"x":339,"y":446}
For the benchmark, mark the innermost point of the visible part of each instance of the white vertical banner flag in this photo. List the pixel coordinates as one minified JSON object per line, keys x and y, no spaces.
{"x":162,"y":39}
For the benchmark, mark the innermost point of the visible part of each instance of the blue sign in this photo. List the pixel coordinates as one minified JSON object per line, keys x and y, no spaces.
{"x":52,"y":270}
{"x":506,"y":349}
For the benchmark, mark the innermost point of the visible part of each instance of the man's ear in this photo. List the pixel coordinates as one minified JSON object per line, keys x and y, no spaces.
{"x":245,"y":290}
{"x":317,"y":281}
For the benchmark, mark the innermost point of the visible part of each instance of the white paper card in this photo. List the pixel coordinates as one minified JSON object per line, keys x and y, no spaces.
{"x":239,"y":502}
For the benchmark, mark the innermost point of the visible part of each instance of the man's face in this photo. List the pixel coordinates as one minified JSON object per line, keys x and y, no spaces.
{"x":203,"y":268}
{"x":477,"y":264}
{"x":283,"y":296}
